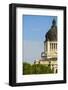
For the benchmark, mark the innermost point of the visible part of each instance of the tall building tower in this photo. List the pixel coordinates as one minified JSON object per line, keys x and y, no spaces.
{"x":49,"y":56}
{"x":50,"y":43}
{"x":50,"y":46}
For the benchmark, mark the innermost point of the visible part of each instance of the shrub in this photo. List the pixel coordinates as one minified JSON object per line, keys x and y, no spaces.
{"x":36,"y":69}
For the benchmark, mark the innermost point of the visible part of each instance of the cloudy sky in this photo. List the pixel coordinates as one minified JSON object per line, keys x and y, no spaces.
{"x":34,"y":30}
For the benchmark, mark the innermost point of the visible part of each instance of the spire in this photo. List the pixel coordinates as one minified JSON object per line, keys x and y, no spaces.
{"x":53,"y":22}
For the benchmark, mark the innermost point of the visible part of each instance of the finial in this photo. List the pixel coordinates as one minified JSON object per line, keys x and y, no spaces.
{"x":53,"y":22}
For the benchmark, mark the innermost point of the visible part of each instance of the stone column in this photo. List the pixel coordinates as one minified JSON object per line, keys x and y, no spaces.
{"x":48,"y":48}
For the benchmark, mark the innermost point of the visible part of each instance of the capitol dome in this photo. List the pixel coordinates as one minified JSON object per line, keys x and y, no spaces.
{"x":51,"y":35}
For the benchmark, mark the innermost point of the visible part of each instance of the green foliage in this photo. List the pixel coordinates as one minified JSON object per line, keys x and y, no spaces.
{"x":36,"y":69}
{"x":26,"y":68}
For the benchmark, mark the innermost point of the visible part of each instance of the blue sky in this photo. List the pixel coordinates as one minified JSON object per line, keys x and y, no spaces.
{"x":34,"y":30}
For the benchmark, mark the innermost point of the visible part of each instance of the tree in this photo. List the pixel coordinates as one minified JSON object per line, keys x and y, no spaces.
{"x":26,"y":68}
{"x":36,"y":69}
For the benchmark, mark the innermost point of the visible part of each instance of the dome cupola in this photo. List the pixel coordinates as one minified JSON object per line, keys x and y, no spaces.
{"x":51,"y":35}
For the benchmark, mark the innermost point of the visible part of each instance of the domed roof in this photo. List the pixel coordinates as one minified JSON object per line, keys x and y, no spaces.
{"x":51,"y":35}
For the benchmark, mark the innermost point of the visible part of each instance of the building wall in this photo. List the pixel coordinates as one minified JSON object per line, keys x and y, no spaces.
{"x":50,"y":49}
{"x":53,"y":64}
{"x":44,"y":62}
